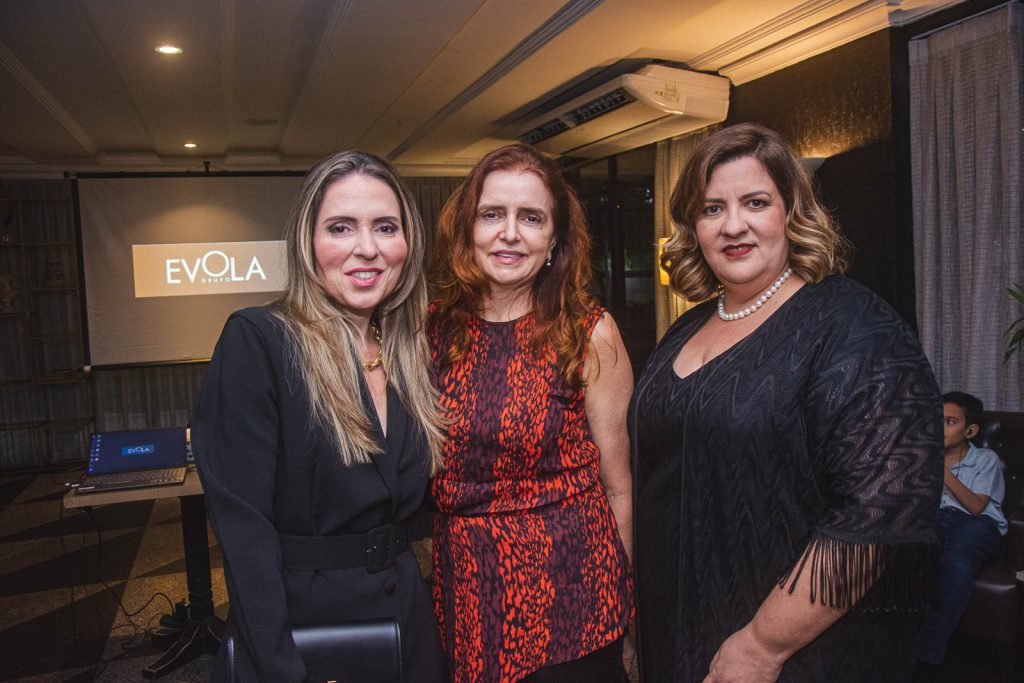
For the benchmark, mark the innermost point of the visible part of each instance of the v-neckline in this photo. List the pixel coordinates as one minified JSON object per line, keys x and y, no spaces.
{"x":730,"y":350}
{"x":382,"y":424}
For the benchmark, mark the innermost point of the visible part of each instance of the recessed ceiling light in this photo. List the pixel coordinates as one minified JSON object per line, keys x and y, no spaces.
{"x":191,"y":145}
{"x":169,"y":50}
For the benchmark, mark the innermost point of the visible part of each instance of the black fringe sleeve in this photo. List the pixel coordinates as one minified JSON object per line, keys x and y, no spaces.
{"x":876,"y":426}
{"x":866,"y":576}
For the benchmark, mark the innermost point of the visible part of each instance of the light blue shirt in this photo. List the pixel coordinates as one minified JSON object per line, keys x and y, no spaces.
{"x":981,"y":471}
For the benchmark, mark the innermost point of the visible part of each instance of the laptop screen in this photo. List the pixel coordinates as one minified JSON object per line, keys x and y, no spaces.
{"x":142,"y":449}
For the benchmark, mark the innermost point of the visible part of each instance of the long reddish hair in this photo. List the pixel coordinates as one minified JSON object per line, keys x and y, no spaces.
{"x":561,"y":302}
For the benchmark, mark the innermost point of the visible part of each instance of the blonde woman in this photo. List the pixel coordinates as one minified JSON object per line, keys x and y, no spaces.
{"x":316,"y":430}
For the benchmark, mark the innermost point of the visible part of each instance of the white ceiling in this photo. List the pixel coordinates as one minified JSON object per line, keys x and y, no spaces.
{"x":429,"y":84}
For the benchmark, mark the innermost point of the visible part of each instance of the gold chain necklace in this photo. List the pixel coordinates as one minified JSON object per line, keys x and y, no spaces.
{"x":375,"y":363}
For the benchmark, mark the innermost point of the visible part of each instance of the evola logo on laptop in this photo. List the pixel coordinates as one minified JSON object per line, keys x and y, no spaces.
{"x":208,"y":268}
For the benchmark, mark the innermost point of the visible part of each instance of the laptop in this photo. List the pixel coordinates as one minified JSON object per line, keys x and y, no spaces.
{"x":135,"y":458}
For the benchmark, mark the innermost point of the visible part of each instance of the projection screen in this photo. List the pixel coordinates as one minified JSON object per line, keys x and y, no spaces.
{"x":167,"y":259}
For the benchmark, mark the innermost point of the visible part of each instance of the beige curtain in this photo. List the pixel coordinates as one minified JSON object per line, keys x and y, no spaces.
{"x":430,"y":195}
{"x":967,"y":138}
{"x":670,"y":158}
{"x":139,"y":398}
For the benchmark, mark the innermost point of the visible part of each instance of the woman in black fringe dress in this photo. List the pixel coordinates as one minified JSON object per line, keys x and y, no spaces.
{"x":788,"y":436}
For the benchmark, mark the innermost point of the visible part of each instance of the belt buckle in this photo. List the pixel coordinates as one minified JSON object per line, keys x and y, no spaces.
{"x":380,"y":548}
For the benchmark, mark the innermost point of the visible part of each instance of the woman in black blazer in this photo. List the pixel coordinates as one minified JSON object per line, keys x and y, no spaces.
{"x":316,"y":430}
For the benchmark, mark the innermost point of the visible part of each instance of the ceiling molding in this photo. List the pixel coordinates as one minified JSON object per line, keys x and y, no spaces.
{"x":731,"y":49}
{"x":227,"y":57}
{"x":843,"y":27}
{"x":561,"y":20}
{"x":837,"y":30}
{"x":444,"y":103}
{"x":129,"y":158}
{"x":328,"y":40}
{"x":14,"y":160}
{"x":31,"y":172}
{"x":45,"y":99}
{"x":269,"y":159}
{"x":434,"y":170}
{"x":904,"y":16}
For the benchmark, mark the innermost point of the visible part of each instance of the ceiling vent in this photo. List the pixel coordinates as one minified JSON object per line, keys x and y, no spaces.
{"x":630,"y":111}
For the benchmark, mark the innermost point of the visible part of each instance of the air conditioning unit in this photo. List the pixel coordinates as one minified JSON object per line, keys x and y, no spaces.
{"x":630,"y":111}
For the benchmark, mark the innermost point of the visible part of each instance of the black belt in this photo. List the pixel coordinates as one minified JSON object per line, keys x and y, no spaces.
{"x":376,"y":549}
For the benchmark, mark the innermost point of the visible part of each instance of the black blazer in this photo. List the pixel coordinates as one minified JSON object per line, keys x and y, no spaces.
{"x":268,"y":470}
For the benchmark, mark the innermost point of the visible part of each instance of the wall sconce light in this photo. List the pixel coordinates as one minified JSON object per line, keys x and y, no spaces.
{"x":662,"y":273}
{"x":677,"y":304}
{"x":812,"y":164}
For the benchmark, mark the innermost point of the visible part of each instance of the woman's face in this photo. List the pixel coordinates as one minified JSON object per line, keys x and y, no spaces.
{"x":514,"y":232}
{"x":359,"y":243}
{"x":742,"y":227}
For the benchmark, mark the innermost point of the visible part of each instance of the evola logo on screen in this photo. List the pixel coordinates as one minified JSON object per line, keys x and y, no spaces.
{"x":208,"y":268}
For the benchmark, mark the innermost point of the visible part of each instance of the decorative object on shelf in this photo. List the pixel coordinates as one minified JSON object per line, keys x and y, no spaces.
{"x":53,"y":273}
{"x":8,"y":293}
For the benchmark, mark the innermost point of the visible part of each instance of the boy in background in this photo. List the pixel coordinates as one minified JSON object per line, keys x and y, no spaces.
{"x":971,"y":521}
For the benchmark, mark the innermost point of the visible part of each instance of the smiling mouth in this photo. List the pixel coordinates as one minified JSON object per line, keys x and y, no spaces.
{"x":364,"y":278}
{"x":737,"y":250}
{"x":508,"y":256}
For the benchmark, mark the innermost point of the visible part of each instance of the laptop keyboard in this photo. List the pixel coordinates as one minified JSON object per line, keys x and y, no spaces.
{"x":154,"y":476}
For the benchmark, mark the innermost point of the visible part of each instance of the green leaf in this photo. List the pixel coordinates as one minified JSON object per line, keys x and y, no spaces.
{"x":1016,"y":329}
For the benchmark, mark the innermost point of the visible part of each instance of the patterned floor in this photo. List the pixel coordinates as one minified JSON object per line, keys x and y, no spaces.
{"x":65,"y":589}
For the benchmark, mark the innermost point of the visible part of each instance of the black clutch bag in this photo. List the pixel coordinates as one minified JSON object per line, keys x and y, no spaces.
{"x":347,"y":652}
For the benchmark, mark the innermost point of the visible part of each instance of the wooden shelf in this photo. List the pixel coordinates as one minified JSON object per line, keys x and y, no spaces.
{"x":46,"y":379}
{"x":43,"y":417}
{"x":11,"y":426}
{"x":58,"y":336}
{"x":62,"y":244}
{"x":70,"y":378}
{"x":67,"y":421}
{"x":17,"y":200}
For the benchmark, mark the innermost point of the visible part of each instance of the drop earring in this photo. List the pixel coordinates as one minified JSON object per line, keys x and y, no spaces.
{"x":551,"y":255}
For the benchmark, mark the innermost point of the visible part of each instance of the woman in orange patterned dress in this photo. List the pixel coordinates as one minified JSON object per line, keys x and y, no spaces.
{"x":533,"y":536}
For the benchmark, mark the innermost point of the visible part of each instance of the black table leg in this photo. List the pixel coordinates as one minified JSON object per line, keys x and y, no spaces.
{"x":194,"y":628}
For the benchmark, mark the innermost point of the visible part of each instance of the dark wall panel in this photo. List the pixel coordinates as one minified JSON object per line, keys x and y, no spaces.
{"x":839,"y":105}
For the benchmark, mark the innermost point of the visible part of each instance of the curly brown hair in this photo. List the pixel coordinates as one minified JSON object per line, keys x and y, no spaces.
{"x":559,"y":292}
{"x":816,"y":247}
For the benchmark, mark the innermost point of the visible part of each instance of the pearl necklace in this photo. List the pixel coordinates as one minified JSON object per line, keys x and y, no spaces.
{"x":754,"y":307}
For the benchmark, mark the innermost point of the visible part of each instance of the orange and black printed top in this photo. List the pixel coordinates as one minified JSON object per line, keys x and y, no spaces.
{"x":529,"y":570}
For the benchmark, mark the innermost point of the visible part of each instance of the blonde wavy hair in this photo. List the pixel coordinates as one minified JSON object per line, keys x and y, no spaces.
{"x":326,"y":348}
{"x":816,"y":247}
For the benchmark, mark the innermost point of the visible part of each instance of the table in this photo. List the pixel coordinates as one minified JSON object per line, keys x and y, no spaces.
{"x":193,"y":629}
